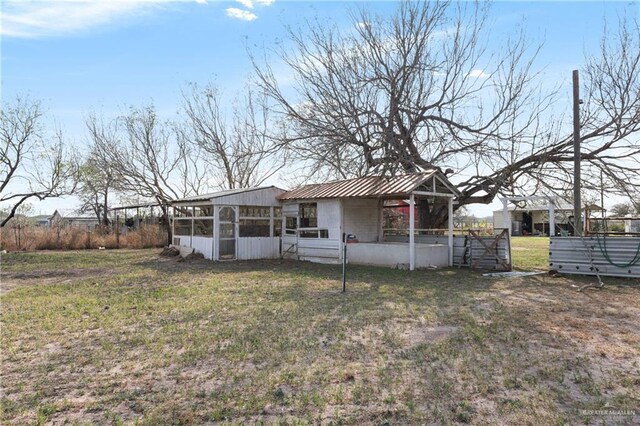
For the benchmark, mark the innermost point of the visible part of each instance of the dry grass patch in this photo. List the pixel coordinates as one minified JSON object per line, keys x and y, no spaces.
{"x":156,"y":341}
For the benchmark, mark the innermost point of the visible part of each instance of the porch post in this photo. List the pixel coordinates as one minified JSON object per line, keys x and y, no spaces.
{"x":505,"y":215}
{"x":552,"y":218}
{"x":412,"y":238}
{"x":450,"y":234}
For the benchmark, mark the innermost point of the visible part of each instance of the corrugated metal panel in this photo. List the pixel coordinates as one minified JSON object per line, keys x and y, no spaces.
{"x":462,"y":256}
{"x":318,"y":248}
{"x":364,"y":187}
{"x":250,"y":248}
{"x":203,"y":245}
{"x":571,"y":255}
{"x":226,"y":193}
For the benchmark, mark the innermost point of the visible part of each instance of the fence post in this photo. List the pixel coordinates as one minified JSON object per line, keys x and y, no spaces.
{"x":344,"y":263}
{"x":117,"y":231}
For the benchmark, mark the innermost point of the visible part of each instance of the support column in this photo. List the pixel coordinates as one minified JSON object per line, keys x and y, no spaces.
{"x":552,"y":218}
{"x":450,"y":234}
{"x":505,"y":215}
{"x":412,"y":237}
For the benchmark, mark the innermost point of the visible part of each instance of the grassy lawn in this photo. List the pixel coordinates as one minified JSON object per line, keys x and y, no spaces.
{"x":113,"y":337}
{"x":530,"y":253}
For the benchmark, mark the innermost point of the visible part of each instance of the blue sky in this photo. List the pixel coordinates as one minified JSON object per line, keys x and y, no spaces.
{"x":78,"y":56}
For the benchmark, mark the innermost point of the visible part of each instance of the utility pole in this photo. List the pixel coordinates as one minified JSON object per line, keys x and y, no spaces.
{"x":577,"y":202}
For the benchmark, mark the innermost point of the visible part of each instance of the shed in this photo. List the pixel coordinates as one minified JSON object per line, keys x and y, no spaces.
{"x":233,"y":224}
{"x":317,"y":217}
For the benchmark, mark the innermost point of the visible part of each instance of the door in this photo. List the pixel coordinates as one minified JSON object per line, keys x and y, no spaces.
{"x":227,"y":233}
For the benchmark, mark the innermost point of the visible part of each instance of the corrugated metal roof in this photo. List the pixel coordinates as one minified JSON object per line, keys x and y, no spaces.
{"x":213,"y":195}
{"x":364,"y":187}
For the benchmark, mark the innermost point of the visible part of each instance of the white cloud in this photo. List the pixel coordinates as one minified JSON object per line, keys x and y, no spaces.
{"x":264,"y":2}
{"x":363,"y":24}
{"x":478,"y":74}
{"x":37,"y":19}
{"x":246,"y":3}
{"x":243,"y":15}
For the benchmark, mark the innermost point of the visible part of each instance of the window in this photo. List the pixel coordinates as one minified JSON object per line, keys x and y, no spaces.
{"x":314,"y":233}
{"x":182,"y":211}
{"x":227,"y":214}
{"x":182,"y":227}
{"x":254,"y":227}
{"x":277,"y":212}
{"x":277,"y":227}
{"x":255,"y":211}
{"x":308,"y":215}
{"x":203,"y":227}
{"x":203,"y":211}
{"x":291,"y":224}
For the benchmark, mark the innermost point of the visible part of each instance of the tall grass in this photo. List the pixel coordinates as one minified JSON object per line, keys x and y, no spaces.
{"x":71,"y":238}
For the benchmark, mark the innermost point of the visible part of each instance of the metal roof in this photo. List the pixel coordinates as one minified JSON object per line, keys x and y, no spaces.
{"x":366,"y":187}
{"x":214,"y":195}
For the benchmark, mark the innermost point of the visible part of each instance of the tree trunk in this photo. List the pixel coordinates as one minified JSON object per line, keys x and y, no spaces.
{"x":432,"y":216}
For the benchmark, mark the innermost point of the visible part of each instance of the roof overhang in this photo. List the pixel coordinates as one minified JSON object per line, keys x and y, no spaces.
{"x":428,"y":183}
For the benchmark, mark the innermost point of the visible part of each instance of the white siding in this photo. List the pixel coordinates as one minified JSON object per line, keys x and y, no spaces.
{"x":259,"y":197}
{"x":258,"y":248}
{"x":321,"y":250}
{"x":203,"y":245}
{"x":361,"y":218}
{"x":329,"y":217}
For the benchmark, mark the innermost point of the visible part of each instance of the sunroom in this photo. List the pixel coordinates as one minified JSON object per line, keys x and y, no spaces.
{"x":238,"y":224}
{"x":377,"y":216}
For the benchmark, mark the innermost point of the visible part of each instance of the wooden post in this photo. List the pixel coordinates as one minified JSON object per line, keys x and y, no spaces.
{"x":117,"y":231}
{"x":552,"y":218}
{"x":412,"y":237}
{"x":450,"y":234}
{"x":505,"y":215}
{"x":577,"y":202}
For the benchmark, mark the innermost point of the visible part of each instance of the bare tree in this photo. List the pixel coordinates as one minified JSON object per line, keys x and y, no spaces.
{"x":147,"y":157}
{"x":240,"y":150}
{"x":421,"y":90}
{"x":96,"y":184}
{"x":33,"y":166}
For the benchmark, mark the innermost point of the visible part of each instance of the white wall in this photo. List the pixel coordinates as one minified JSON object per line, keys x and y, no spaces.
{"x":329,"y":218}
{"x":361,"y":217}
{"x":258,"y":248}
{"x":258,"y":197}
{"x":203,"y":245}
{"x":392,"y":255}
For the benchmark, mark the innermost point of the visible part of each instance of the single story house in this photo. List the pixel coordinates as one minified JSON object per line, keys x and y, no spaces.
{"x":317,"y":217}
{"x":311,"y":222}
{"x":47,"y":221}
{"x":239,"y":224}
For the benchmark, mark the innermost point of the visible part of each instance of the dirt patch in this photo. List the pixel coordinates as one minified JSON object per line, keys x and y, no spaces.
{"x":11,"y":280}
{"x":420,"y":334}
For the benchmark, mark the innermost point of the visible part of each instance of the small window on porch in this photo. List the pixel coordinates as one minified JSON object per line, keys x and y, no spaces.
{"x":182,"y":227}
{"x":308,"y":215}
{"x":203,"y":211}
{"x":203,"y":228}
{"x":254,"y":227}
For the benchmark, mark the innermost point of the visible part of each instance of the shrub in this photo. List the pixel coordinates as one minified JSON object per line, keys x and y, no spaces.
{"x":73,"y":238}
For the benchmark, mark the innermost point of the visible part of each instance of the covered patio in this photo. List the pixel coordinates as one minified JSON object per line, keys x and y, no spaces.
{"x":375,"y":215}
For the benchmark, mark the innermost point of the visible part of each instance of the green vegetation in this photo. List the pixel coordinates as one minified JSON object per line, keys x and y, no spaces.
{"x":530,"y":253}
{"x":125,"y":337}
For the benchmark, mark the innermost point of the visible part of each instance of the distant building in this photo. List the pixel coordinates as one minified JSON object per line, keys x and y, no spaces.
{"x":46,"y":221}
{"x":84,"y":222}
{"x":534,"y":220}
